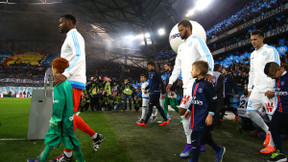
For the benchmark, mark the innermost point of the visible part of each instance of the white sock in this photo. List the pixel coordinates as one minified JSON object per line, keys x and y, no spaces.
{"x":168,"y":116}
{"x":143,"y":112}
{"x":94,"y":136}
{"x":187,"y":130}
{"x":68,"y":154}
{"x":156,"y":112}
{"x":256,"y":118}
{"x":271,"y":143}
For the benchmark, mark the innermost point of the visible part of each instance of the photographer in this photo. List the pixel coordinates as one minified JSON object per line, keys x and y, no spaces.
{"x":127,"y":91}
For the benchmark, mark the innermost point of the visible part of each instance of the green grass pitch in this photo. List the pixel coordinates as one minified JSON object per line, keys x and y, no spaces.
{"x":124,"y":140}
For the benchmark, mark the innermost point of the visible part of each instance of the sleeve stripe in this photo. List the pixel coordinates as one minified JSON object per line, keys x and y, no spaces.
{"x":207,"y":53}
{"x":276,"y":55}
{"x":78,"y":51}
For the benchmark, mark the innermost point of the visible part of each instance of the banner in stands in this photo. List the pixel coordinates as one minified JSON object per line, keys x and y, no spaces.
{"x":6,"y":89}
{"x":266,"y":15}
{"x":16,"y":80}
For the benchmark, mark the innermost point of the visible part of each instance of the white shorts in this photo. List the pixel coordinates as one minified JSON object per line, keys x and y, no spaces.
{"x":258,"y":100}
{"x":187,"y":98}
{"x":145,"y":102}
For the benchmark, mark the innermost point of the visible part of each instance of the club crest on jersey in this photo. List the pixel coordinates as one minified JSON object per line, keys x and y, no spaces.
{"x":200,"y":90}
{"x":190,"y":44}
{"x":264,"y":53}
{"x":282,"y":83}
{"x":269,"y":106}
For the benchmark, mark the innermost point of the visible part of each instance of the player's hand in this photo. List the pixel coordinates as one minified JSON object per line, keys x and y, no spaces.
{"x":270,"y":94}
{"x":249,"y":93}
{"x":187,"y":115}
{"x":209,"y":119}
{"x":145,"y":91}
{"x":209,"y":78}
{"x":59,"y":79}
{"x":168,"y":87}
{"x":162,"y":95}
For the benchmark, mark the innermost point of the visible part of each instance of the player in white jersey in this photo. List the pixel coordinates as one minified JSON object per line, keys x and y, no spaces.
{"x":260,"y":84}
{"x":73,"y":50}
{"x":145,"y":96}
{"x":192,"y":49}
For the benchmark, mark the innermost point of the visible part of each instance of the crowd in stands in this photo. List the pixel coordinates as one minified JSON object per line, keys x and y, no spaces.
{"x":24,"y":68}
{"x":279,"y":21}
{"x":249,"y":12}
{"x":166,"y":54}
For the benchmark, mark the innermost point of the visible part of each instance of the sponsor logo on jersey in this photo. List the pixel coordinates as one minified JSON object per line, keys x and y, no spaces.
{"x":55,"y":101}
{"x":269,"y":106}
{"x":185,"y":99}
{"x":197,"y":102}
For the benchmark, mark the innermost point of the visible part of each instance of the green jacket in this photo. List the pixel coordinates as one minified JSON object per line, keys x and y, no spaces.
{"x":127,"y":90}
{"x":95,"y":89}
{"x":107,"y":88}
{"x":117,"y":100}
{"x":61,"y":122}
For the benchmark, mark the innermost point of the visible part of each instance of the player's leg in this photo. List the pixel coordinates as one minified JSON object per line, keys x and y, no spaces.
{"x":195,"y":138}
{"x":254,"y":104}
{"x":219,"y":150}
{"x":279,"y":121}
{"x":145,"y":102}
{"x":185,"y":103}
{"x":269,"y":105}
{"x":161,"y":111}
{"x":150,"y":109}
{"x":96,"y":137}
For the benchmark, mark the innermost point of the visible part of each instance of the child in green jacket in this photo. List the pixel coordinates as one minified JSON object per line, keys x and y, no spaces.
{"x":61,"y":122}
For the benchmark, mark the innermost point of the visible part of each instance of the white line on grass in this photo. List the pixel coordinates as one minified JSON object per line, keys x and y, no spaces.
{"x":13,"y":139}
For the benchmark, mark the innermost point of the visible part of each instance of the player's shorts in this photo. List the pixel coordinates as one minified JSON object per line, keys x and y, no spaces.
{"x":258,"y":100}
{"x":76,"y":99}
{"x":187,"y":98}
{"x":145,"y":102}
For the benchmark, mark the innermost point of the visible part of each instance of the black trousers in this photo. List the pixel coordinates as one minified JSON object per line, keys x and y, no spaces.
{"x":154,"y":101}
{"x":278,"y":123}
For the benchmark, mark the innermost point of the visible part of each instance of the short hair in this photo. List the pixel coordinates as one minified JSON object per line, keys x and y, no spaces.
{"x":271,"y":67}
{"x":217,"y":66}
{"x":168,"y":64}
{"x":151,"y":63}
{"x":70,"y":17}
{"x":202,"y":66}
{"x":60,"y":64}
{"x":185,"y":23}
{"x":143,"y":75}
{"x":257,"y":32}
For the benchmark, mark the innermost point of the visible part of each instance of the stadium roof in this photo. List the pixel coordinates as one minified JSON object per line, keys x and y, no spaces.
{"x":31,"y":25}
